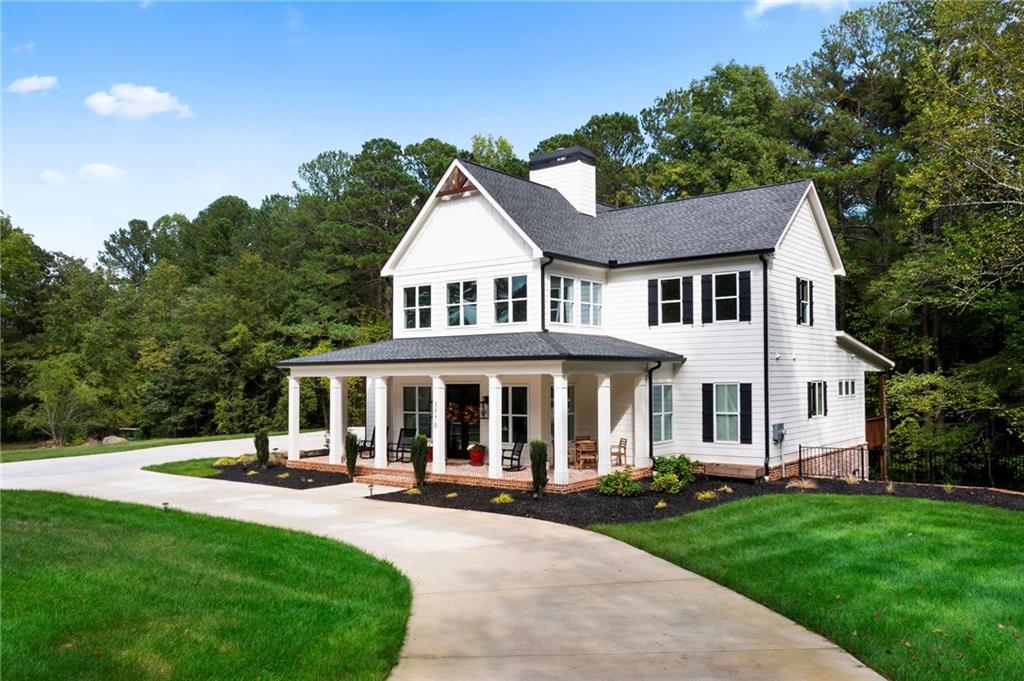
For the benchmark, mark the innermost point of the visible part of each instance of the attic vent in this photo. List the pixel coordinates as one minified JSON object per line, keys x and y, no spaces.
{"x":457,"y":183}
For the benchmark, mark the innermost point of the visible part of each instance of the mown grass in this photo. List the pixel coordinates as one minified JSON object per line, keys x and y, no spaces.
{"x":31,"y":453}
{"x":102,"y":590}
{"x":196,"y":468}
{"x":916,"y":589}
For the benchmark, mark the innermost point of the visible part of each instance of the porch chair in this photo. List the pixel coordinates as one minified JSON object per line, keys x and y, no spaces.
{"x":586,"y":453}
{"x":574,"y":452}
{"x":512,"y":459}
{"x":401,"y":451}
{"x":619,"y":452}
{"x":366,"y":447}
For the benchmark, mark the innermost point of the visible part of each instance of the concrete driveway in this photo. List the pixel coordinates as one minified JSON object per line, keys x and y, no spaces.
{"x":495,"y":597}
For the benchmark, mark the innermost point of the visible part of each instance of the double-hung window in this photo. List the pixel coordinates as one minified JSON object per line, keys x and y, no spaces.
{"x":671,"y":301}
{"x":510,"y":299}
{"x":727,"y":297}
{"x":803,"y":301}
{"x":591,"y":302}
{"x":417,"y":307}
{"x":727,"y":412}
{"x":816,"y":399}
{"x":416,"y":409}
{"x":661,"y":412}
{"x":513,"y":413}
{"x":561,"y":299}
{"x":462,"y":303}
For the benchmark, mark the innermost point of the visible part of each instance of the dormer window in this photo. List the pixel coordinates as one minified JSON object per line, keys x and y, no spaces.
{"x":510,"y":300}
{"x":462,"y":303}
{"x":417,"y":307}
{"x":561,"y":305}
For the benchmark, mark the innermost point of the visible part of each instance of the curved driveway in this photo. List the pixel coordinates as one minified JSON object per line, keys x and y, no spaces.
{"x":495,"y":597}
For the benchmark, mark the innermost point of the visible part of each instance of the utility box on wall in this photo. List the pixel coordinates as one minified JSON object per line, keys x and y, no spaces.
{"x":778,"y":432}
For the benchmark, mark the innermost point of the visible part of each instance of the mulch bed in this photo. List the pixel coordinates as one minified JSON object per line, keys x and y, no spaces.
{"x":296,"y":479}
{"x":582,"y":509}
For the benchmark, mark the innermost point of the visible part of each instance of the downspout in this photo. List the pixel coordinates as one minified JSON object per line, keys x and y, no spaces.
{"x":543,"y":291}
{"x":650,"y":410}
{"x":764,"y":338}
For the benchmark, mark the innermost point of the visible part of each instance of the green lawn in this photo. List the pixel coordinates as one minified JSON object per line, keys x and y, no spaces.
{"x":916,"y":589}
{"x":101,"y":590}
{"x":196,"y":468}
{"x":28,"y":454}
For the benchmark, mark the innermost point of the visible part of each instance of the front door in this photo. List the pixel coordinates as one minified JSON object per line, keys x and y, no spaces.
{"x":462,"y":424}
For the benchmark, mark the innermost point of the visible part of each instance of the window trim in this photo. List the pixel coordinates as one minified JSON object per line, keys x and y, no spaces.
{"x":803,"y":313}
{"x":564,"y":304}
{"x":715,"y":297}
{"x":847,"y":388}
{"x":417,"y":308}
{"x":590,"y":306}
{"x":817,"y":407}
{"x":511,"y":299}
{"x":416,"y":387}
{"x":662,"y":301}
{"x":462,"y":304}
{"x":506,"y":404}
{"x":738,"y":413}
{"x":660,"y":415}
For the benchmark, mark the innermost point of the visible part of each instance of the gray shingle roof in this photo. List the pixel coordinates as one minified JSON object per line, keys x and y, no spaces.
{"x":741,"y":221}
{"x":490,"y":346}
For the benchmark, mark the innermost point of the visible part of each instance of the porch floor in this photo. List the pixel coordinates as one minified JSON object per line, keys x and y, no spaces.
{"x":458,"y":472}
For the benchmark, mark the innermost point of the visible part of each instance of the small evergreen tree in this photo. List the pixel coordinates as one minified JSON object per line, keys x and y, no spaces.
{"x":539,"y":465}
{"x":351,"y":453}
{"x":262,"y":441}
{"x":418,"y":452}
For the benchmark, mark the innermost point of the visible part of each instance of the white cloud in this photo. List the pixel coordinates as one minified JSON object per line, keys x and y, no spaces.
{"x":103,"y":172}
{"x":27,"y":47}
{"x":135,"y":102}
{"x":23,"y":86}
{"x":146,"y":4}
{"x":758,"y":8}
{"x":52,"y":177}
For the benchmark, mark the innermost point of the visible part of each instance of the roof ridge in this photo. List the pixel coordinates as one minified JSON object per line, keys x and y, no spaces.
{"x":506,"y":174}
{"x":613,"y":209}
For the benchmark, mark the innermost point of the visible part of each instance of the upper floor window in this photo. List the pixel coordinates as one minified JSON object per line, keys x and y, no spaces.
{"x":561,"y":299}
{"x":510,"y":299}
{"x":591,"y":302}
{"x":462,"y":303}
{"x":514,"y":416}
{"x":727,"y":412}
{"x":817,"y":399}
{"x":803,"y":302}
{"x":416,"y":409}
{"x":417,"y":307}
{"x":726,"y":296}
{"x":671,"y":301}
{"x":661,"y":412}
{"x":847,"y":388}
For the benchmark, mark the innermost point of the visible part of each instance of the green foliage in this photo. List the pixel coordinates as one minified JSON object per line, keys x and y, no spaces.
{"x":619,"y":484}
{"x":503,"y":498}
{"x":351,"y":453}
{"x":418,"y":453}
{"x":262,"y":442}
{"x":66,"y":406}
{"x":666,"y":482}
{"x":539,"y":465}
{"x":672,"y":473}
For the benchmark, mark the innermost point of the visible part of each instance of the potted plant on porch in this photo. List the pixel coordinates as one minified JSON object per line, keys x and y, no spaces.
{"x":476,"y":454}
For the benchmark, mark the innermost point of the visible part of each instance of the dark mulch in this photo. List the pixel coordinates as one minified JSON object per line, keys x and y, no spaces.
{"x":296,"y":479}
{"x":583,"y":509}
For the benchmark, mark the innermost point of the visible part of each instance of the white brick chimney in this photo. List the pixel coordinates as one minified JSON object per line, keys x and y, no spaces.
{"x":571,"y":171}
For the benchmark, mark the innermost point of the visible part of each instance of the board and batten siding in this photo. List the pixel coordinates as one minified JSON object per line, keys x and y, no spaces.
{"x":799,"y":353}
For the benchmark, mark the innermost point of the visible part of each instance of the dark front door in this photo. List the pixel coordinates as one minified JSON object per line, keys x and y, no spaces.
{"x":461,"y":431}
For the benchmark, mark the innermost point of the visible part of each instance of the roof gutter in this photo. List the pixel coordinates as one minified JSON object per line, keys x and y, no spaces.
{"x":615,"y":264}
{"x":543,"y":290}
{"x":764,"y":342}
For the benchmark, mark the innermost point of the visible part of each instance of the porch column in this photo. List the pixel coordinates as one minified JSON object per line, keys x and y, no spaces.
{"x":338,"y":407}
{"x":494,"y":426}
{"x":560,"y":384}
{"x":641,"y":424}
{"x":604,"y":424}
{"x":438,"y":423}
{"x":380,"y":417}
{"x":293,"y":418}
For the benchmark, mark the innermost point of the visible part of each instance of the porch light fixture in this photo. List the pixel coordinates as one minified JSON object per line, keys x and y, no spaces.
{"x":485,"y":406}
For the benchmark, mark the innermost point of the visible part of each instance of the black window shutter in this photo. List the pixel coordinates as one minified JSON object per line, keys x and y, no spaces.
{"x":687,"y":300}
{"x":708,"y":412}
{"x":745,"y":296}
{"x":652,"y":302}
{"x":746,"y":416}
{"x":705,"y":298}
{"x":810,"y":298}
{"x":810,"y":399}
{"x":798,"y":305}
{"x":824,"y":397}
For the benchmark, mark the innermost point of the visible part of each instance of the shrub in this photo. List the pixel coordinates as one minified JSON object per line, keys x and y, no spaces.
{"x":503,"y":498}
{"x":539,"y":465}
{"x":851,"y":479}
{"x":413,"y":491}
{"x":245,"y":459}
{"x":725,"y":489}
{"x":418,"y":454}
{"x":351,"y":453}
{"x":451,"y":495}
{"x":262,"y":442}
{"x":706,"y":495}
{"x":890,"y":488}
{"x":666,"y":482}
{"x":661,"y":504}
{"x":802,"y":484}
{"x":225,"y":461}
{"x":619,"y":484}
{"x":682,"y":466}
{"x":277,"y":460}
{"x":283,"y":476}
{"x":251,"y":473}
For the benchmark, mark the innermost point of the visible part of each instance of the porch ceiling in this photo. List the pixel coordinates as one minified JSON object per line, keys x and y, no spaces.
{"x":494,"y":347}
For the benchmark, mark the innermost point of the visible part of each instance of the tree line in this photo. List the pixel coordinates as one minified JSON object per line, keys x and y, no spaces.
{"x":909,"y":117}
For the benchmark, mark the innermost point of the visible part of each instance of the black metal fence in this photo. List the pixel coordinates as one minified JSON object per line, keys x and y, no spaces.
{"x":833,"y":462}
{"x":1005,"y":471}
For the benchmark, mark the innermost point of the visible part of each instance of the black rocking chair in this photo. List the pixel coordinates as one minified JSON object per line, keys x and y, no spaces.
{"x":401,"y":451}
{"x":366,"y":447}
{"x":512,"y":459}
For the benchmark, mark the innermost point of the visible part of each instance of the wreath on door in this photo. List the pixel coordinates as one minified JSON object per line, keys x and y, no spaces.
{"x":469,"y":414}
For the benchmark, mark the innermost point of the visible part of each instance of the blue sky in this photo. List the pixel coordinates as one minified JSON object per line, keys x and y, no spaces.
{"x":113,"y":111}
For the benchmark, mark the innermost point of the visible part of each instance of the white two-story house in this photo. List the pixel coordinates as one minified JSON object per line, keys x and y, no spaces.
{"x":704,"y":327}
